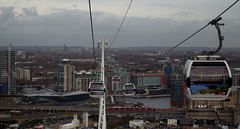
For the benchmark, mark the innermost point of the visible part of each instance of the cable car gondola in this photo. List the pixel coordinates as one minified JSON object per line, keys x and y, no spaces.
{"x":208,"y":76}
{"x":115,"y":79}
{"x":96,"y":89}
{"x":129,"y":89}
{"x":110,"y":68}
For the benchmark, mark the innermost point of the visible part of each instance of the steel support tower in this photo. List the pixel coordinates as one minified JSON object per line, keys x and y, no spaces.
{"x":102,"y":124}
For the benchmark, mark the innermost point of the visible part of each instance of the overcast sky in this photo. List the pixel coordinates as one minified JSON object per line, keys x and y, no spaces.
{"x":148,"y":23}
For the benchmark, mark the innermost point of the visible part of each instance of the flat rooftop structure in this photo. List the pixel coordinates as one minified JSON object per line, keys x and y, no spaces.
{"x":50,"y":95}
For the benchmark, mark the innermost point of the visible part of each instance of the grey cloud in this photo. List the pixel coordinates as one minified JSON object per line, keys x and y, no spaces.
{"x":53,"y":29}
{"x":182,"y":14}
{"x":172,"y":5}
{"x":6,"y":13}
{"x":72,"y":27}
{"x":75,"y":6}
{"x":30,"y":11}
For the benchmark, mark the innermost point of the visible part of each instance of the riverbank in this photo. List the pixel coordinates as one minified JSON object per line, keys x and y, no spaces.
{"x":156,"y":102}
{"x":151,"y":96}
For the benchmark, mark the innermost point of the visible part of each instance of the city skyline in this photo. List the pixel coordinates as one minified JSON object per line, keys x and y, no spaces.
{"x":148,"y":23}
{"x":50,"y":82}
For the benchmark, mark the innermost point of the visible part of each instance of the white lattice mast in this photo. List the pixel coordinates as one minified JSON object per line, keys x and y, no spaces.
{"x":102,"y":124}
{"x":102,"y":43}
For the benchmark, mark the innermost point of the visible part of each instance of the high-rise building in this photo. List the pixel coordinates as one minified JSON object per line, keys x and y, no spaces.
{"x":23,"y":74}
{"x":171,"y":69}
{"x":65,"y":48}
{"x":66,"y":76}
{"x":7,"y":72}
{"x":178,"y":95}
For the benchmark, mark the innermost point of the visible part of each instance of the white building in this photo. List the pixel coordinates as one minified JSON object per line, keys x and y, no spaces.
{"x":172,"y":122}
{"x":73,"y":125}
{"x":24,"y":74}
{"x":135,"y":123}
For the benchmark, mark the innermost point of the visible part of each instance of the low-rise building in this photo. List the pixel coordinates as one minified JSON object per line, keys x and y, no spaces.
{"x":210,"y":116}
{"x":237,"y":115}
{"x":135,"y":123}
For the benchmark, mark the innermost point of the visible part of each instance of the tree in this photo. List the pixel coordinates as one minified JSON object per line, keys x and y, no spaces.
{"x":212,"y":91}
{"x":218,"y":90}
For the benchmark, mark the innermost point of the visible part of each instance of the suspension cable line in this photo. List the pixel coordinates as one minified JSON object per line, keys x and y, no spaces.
{"x":187,"y":38}
{"x":121,"y":23}
{"x":226,"y":10}
{"x":201,"y":28}
{"x":90,"y":11}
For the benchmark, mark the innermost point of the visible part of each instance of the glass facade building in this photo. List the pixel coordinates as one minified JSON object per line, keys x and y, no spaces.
{"x":141,"y":81}
{"x":7,"y":86}
{"x":178,"y":96}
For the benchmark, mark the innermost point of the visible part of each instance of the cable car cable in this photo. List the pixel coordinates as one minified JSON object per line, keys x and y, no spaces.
{"x":121,"y":23}
{"x":201,"y":28}
{"x":187,"y":39}
{"x":226,"y":9}
{"x":90,"y":11}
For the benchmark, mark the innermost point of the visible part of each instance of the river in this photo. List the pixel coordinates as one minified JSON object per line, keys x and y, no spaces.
{"x":160,"y":102}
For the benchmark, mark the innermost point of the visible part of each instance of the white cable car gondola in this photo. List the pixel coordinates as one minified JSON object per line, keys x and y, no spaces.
{"x":96,"y":89}
{"x":208,"y":76}
{"x":115,"y":79}
{"x":129,"y":89}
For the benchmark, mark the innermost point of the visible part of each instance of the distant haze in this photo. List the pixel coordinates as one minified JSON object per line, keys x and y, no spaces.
{"x":148,"y":23}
